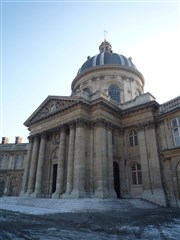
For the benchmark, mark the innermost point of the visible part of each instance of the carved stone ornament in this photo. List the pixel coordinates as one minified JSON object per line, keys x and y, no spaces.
{"x":54,"y":139}
{"x":146,"y":125}
{"x":101,"y":77}
{"x":81,"y":122}
{"x":51,"y":106}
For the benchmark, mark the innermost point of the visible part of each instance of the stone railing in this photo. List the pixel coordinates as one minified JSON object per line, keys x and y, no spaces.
{"x":13,"y":147}
{"x":170,"y":105}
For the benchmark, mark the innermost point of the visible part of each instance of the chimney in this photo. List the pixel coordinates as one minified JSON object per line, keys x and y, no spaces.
{"x":5,"y":140}
{"x":18,"y":140}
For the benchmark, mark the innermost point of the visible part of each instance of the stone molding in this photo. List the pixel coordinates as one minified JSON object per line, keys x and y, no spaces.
{"x":145,"y":125}
{"x":54,"y":134}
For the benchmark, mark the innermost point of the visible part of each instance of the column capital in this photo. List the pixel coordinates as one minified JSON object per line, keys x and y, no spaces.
{"x":109,"y":126}
{"x":81,"y":122}
{"x":36,"y":137}
{"x":43,"y":135}
{"x":71,"y":124}
{"x":30,"y":138}
{"x":146,"y":125}
{"x":100,"y":122}
{"x":62,"y":128}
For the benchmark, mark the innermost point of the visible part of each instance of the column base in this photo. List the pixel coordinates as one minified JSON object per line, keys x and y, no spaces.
{"x":76,"y":193}
{"x":156,"y":196}
{"x":22,"y":194}
{"x":104,"y":194}
{"x":67,"y":196}
{"x":28,"y":193}
{"x":55,"y":195}
{"x":37,"y":195}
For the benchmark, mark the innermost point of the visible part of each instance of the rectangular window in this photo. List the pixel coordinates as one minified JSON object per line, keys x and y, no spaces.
{"x":175,"y":123}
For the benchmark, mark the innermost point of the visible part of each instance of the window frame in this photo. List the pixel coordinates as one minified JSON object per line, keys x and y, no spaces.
{"x":114,"y":93}
{"x":87,"y":90}
{"x":136,"y":174}
{"x":175,"y":124}
{"x":133,"y":138}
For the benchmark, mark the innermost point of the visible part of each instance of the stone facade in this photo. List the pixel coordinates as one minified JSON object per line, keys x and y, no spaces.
{"x":108,"y":139}
{"x":12,"y":162}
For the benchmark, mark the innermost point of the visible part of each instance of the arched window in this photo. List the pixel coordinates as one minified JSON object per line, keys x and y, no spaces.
{"x":136,"y":174}
{"x":87,"y":90}
{"x":133,"y":139}
{"x":114,"y":93}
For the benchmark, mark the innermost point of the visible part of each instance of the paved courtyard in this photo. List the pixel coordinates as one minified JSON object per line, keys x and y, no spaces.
{"x":86,"y":219}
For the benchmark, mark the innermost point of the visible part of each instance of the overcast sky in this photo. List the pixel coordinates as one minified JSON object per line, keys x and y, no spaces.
{"x":44,"y":43}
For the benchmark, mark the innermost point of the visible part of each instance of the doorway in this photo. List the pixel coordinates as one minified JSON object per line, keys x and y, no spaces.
{"x":116,"y":179}
{"x":54,"y":178}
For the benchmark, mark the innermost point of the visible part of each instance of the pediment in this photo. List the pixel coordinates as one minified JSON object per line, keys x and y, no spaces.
{"x":50,"y":106}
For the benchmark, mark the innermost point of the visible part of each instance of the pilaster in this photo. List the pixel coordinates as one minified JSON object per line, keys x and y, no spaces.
{"x":112,"y":192}
{"x":150,"y":163}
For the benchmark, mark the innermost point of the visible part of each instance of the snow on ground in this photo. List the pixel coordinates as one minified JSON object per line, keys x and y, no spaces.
{"x":28,"y":210}
{"x":149,"y":221}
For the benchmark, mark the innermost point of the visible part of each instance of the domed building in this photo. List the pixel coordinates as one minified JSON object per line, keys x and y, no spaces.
{"x":108,"y":139}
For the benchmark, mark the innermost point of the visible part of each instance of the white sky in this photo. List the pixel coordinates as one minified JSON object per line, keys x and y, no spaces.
{"x":44,"y":43}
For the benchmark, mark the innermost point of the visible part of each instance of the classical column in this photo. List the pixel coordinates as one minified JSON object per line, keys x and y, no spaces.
{"x":34,"y":158}
{"x":112,"y":192}
{"x":27,"y":166}
{"x":70,"y":166}
{"x":61,"y":159}
{"x":101,"y":185}
{"x":39,"y":173}
{"x":79,"y":161}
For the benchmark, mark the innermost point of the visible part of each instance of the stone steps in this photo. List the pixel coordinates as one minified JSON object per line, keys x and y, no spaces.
{"x":76,"y":205}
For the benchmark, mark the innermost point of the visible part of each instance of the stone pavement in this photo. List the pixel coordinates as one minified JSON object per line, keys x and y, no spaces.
{"x":86,"y":219}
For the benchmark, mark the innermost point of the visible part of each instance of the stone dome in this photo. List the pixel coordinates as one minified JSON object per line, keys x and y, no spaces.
{"x":105,"y":57}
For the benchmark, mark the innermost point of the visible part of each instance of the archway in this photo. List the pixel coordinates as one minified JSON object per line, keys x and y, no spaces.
{"x":116,"y":179}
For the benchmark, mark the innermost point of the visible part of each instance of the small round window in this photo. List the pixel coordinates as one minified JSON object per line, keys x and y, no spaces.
{"x":87,"y":90}
{"x":114,"y":93}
